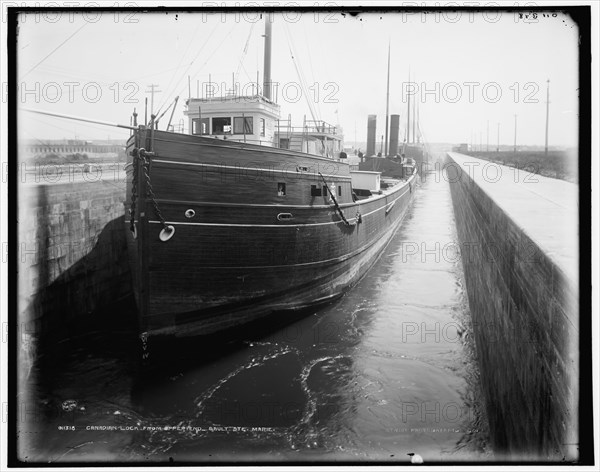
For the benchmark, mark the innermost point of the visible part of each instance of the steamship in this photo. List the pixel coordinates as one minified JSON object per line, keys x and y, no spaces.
{"x":248,"y":216}
{"x":398,"y":158}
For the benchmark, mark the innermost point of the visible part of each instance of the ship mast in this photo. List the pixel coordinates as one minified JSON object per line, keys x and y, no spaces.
{"x":414,"y":121}
{"x":387,"y":102}
{"x":408,"y":114}
{"x":267,"y":63}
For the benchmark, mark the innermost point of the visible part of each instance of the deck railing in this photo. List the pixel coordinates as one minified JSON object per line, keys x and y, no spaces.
{"x":320,"y":126}
{"x":284,"y":127}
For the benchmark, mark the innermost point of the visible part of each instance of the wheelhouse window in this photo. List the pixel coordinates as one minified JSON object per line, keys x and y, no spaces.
{"x":281,"y":189}
{"x":243,"y":125}
{"x":262,"y":126}
{"x":221,"y":125}
{"x":200,"y":126}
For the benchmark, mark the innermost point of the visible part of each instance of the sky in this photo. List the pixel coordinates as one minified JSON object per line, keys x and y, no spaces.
{"x":470,"y":72}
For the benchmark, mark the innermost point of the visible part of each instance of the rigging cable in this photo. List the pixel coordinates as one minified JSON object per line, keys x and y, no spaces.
{"x":300,"y":77}
{"x":180,"y":61}
{"x":54,"y":50}
{"x":243,"y":56}
{"x":304,"y":88}
{"x":312,"y":74}
{"x":167,"y":98}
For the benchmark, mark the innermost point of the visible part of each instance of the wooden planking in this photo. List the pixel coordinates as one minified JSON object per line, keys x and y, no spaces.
{"x":279,"y":162}
{"x":267,"y":215}
{"x":209,"y":246}
{"x":209,"y":265}
{"x":227,"y":186}
{"x":182,"y":146}
{"x":287,"y":290}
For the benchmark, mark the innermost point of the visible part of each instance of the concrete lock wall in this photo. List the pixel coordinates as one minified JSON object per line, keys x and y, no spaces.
{"x":519,"y":248}
{"x":71,"y":257}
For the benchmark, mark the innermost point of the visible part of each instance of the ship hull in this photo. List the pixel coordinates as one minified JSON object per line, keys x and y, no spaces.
{"x":242,"y":249}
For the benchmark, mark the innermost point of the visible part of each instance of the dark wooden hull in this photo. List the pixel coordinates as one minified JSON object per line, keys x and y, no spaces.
{"x":237,"y":259}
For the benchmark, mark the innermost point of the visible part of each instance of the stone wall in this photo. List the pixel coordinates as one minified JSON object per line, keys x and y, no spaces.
{"x":71,"y":257}
{"x":524,"y":305}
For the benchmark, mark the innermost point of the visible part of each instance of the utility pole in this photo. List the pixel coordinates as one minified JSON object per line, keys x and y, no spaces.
{"x":152,"y":91}
{"x":547,"y":114}
{"x":515,"y":149}
{"x":498,"y":145}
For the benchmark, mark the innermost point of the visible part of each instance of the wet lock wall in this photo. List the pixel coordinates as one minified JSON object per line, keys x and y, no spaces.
{"x":71,"y":258}
{"x":524,"y":308}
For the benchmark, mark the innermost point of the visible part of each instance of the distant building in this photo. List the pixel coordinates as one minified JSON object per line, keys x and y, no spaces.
{"x":462,"y":147}
{"x":71,"y":146}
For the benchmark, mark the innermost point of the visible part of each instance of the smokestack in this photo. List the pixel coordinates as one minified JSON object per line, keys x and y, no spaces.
{"x":394,"y":131}
{"x":371,"y":128}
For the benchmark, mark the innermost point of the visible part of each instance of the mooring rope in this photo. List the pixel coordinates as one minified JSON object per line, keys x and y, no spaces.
{"x":337,"y":206}
{"x":140,"y":154}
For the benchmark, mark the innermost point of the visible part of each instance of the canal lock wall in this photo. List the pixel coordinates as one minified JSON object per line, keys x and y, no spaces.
{"x":71,"y":261}
{"x":523,"y":296}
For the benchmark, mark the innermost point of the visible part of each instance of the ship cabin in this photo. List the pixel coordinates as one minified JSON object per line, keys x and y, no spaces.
{"x":255,"y":119}
{"x":248,"y":119}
